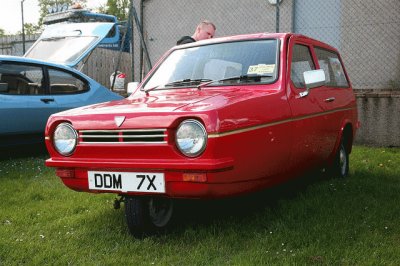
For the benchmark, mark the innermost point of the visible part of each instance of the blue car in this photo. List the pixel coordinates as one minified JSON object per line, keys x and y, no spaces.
{"x":45,"y":81}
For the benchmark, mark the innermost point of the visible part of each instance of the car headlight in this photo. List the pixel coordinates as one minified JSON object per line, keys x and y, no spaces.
{"x":191,"y":138}
{"x":65,"y":139}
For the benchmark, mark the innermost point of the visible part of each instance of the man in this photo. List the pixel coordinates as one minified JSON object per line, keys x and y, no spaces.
{"x":205,"y":30}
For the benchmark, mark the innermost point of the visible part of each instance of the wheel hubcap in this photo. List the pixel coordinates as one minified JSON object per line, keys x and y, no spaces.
{"x":160,"y":211}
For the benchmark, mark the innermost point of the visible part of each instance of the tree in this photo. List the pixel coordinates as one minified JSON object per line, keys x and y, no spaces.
{"x":31,"y":28}
{"x":2,"y":32}
{"x":118,"y":8}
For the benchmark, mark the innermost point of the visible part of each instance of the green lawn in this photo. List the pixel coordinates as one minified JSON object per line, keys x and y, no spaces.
{"x":353,"y":221}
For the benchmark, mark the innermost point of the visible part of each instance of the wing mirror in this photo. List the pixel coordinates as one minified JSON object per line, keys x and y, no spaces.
{"x":313,"y":79}
{"x":132,"y":86}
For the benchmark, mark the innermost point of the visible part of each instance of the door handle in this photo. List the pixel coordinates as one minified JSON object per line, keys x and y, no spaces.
{"x":47,"y":100}
{"x":331,"y":99}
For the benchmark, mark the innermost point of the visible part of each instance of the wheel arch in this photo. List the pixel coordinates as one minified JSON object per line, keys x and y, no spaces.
{"x":346,"y":135}
{"x":347,"y":132}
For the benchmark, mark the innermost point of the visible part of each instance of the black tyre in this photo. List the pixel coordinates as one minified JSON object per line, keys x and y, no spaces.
{"x":146,"y":216}
{"x":341,"y":164}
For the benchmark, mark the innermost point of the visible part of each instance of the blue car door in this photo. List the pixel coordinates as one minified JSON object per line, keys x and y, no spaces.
{"x":25,"y":104}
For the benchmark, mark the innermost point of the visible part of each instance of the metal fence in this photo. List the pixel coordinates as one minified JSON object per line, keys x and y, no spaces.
{"x":13,"y":44}
{"x":367,"y":33}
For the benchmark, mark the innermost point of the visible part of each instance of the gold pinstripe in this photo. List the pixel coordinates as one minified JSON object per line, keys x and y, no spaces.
{"x":247,"y":129}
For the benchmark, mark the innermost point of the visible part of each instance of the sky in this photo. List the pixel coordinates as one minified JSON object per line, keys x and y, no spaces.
{"x":10,"y":13}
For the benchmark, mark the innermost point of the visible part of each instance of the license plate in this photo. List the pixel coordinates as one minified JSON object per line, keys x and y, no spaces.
{"x":127,"y":181}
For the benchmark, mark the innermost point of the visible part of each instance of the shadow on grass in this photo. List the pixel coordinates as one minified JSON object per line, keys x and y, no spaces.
{"x":239,"y":209}
{"x":204,"y":212}
{"x":23,"y":151}
{"x":203,"y":217}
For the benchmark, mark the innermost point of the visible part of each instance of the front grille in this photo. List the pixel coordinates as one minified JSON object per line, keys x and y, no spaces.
{"x":133,"y":136}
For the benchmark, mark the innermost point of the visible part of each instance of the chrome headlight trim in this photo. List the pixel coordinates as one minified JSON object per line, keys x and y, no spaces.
{"x":65,"y":139}
{"x":191,"y":138}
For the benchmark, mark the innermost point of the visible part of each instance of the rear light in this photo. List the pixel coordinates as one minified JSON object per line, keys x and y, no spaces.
{"x":65,"y":172}
{"x":195,"y":177}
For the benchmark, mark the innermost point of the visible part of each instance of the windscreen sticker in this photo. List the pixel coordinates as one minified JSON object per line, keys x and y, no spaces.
{"x":261,"y":69}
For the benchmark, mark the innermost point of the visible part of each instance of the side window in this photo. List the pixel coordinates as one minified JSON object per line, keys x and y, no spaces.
{"x":112,"y":32}
{"x":65,"y":83}
{"x":330,"y":63}
{"x":301,"y":62}
{"x":20,"y":79}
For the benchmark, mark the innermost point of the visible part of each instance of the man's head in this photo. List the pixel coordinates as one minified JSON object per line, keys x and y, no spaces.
{"x":205,"y":30}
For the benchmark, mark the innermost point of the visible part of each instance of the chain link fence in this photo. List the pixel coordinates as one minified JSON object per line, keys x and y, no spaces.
{"x":367,"y":32}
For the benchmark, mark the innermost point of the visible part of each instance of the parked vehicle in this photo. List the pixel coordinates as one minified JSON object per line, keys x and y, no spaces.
{"x":31,"y":90}
{"x":64,"y":13}
{"x":212,"y":119}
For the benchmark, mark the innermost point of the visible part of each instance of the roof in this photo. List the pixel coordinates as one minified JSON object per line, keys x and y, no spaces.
{"x":20,"y":59}
{"x":252,"y":36}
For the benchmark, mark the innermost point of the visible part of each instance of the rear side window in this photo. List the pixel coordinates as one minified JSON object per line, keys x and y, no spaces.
{"x":21,"y":79}
{"x":330,"y":63}
{"x":65,"y":83}
{"x":301,"y":62}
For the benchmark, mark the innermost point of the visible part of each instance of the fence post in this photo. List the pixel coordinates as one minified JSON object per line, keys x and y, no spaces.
{"x":294,"y":16}
{"x":132,"y":48}
{"x":23,"y":27}
{"x":277,"y":16}
{"x":139,"y":27}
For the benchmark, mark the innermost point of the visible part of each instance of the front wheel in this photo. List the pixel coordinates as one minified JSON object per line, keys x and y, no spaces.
{"x":145,"y":216}
{"x":340,"y":166}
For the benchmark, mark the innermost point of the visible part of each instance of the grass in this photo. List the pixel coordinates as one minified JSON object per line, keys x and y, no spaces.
{"x":353,"y":221}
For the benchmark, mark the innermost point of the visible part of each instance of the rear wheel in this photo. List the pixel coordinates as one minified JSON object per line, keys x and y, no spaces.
{"x":146,"y":216}
{"x":341,"y":164}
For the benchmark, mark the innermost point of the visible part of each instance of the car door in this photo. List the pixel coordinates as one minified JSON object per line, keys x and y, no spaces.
{"x":338,"y":97}
{"x":25,"y":106}
{"x":308,"y":120}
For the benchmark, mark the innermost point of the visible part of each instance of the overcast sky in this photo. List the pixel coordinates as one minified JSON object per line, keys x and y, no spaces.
{"x":10,"y":13}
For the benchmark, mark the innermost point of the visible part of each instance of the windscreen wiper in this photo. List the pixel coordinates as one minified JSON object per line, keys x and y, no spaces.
{"x":182,"y":82}
{"x":240,"y":78}
{"x":53,"y":38}
{"x":151,"y":89}
{"x":185,"y":82}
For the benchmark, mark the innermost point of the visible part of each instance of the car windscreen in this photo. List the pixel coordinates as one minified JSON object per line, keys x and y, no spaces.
{"x":72,"y":46}
{"x":219,"y":62}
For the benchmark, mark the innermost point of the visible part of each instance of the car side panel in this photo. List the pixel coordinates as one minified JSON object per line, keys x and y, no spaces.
{"x":340,"y":105}
{"x":328,"y":106}
{"x":12,"y":110}
{"x":25,"y":114}
{"x":309,"y":120}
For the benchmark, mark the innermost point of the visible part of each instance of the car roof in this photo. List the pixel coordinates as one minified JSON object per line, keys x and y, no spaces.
{"x":20,"y":59}
{"x":252,"y":36}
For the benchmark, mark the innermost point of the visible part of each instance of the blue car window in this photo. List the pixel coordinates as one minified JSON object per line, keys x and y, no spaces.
{"x":20,"y":79}
{"x":65,"y":83}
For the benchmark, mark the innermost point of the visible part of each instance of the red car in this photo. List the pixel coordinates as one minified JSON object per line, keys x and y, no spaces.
{"x":212,"y":119}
